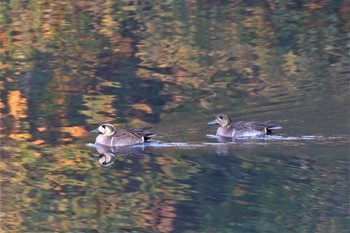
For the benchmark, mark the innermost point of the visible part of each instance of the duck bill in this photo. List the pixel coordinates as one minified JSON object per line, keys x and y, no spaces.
{"x":94,"y":131}
{"x":212,"y":122}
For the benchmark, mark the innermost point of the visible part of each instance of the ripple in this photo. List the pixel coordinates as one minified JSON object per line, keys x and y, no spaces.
{"x":333,"y":140}
{"x":286,"y":138}
{"x":169,"y":144}
{"x":315,"y":139}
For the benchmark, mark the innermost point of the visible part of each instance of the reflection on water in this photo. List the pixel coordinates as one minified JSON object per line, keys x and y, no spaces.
{"x":67,"y":66}
{"x":256,"y":188}
{"x":107,"y":155}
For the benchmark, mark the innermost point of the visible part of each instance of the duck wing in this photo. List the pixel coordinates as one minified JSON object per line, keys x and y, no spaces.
{"x":145,"y":135}
{"x":133,"y":135}
{"x":141,"y":129}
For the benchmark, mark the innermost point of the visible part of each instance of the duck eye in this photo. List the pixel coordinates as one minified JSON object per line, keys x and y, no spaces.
{"x":221,"y":117}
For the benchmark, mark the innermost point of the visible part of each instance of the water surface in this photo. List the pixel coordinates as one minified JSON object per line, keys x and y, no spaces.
{"x":174,"y":65}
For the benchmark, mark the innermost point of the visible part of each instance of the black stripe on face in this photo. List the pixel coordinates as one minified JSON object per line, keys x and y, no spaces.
{"x":107,"y":129}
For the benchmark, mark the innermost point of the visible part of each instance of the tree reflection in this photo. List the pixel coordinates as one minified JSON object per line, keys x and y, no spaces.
{"x":68,"y":64}
{"x":129,"y":61}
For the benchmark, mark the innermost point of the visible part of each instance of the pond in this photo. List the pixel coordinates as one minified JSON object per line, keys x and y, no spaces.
{"x":174,"y":65}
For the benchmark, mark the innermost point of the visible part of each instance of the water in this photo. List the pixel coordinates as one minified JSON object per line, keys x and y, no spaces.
{"x":174,"y":65}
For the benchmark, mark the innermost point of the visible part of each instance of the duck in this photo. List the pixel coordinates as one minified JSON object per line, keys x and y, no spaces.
{"x":242,"y":128}
{"x":109,"y":136}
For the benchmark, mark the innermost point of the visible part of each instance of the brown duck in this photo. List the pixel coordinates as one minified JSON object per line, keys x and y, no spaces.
{"x":242,"y":128}
{"x":109,"y":136}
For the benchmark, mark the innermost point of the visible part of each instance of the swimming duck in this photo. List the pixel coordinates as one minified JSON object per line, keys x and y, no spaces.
{"x":242,"y":128}
{"x":108,"y":136}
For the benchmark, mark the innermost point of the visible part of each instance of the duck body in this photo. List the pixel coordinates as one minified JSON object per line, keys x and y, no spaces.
{"x":108,"y":136}
{"x":227,"y":128}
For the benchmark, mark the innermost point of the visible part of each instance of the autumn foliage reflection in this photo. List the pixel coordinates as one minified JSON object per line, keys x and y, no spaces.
{"x":68,"y":65}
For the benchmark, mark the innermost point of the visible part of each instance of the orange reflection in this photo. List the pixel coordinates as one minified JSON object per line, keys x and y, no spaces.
{"x":166,"y":216}
{"x":38,"y":142}
{"x":18,"y":105}
{"x":2,"y":105}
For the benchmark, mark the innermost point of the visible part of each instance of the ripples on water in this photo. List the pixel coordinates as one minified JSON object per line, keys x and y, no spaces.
{"x":270,"y":139}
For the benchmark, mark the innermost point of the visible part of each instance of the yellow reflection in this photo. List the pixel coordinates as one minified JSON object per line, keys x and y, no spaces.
{"x":143,"y":107}
{"x":75,"y":131}
{"x":20,"y":136}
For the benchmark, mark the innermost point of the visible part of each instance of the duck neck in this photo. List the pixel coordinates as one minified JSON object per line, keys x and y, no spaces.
{"x":225,"y":131}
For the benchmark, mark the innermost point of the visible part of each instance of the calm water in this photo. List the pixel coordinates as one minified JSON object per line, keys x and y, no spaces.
{"x":174,"y":65}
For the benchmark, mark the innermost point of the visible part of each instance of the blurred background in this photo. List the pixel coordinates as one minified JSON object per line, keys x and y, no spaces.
{"x":67,"y":65}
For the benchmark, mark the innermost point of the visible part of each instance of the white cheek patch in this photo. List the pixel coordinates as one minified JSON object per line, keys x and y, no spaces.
{"x":101,"y":129}
{"x":109,"y":130}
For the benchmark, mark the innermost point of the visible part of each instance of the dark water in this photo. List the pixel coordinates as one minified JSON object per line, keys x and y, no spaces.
{"x":66,"y":66}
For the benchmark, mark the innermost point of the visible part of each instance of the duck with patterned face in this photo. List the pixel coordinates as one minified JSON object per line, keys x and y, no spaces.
{"x":227,"y":128}
{"x":109,"y":136}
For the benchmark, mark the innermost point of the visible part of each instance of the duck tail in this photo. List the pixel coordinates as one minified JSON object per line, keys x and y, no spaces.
{"x":269,"y":129}
{"x":147,"y":136}
{"x":275,"y":127}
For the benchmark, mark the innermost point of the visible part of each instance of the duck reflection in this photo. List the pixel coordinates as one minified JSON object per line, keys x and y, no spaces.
{"x":224,"y":139}
{"x":107,"y":155}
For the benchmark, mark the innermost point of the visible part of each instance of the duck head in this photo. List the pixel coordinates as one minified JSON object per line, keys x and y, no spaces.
{"x":222,"y":120}
{"x":106,"y":160}
{"x":106,"y":129}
